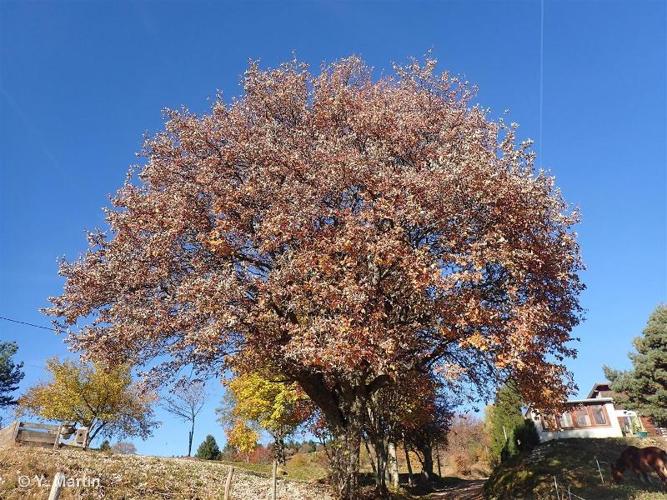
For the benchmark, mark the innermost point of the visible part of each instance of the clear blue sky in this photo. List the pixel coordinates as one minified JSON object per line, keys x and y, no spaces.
{"x":80,"y":82}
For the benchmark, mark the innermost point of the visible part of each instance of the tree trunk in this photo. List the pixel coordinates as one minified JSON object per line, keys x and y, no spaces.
{"x":274,"y":480}
{"x":344,"y":406}
{"x":409,"y":464}
{"x":437,"y":456}
{"x":427,"y":464}
{"x":380,"y":467}
{"x":392,"y":466}
{"x":345,"y":462}
{"x":371,"y":459}
{"x":190,"y":436}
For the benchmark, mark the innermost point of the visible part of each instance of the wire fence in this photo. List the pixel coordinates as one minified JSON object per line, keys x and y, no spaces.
{"x":564,"y":491}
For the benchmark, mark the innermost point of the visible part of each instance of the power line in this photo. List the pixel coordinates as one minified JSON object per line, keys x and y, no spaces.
{"x":541,"y":79}
{"x":28,"y":324}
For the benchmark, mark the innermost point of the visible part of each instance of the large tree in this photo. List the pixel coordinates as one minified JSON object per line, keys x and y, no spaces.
{"x":337,"y":230}
{"x":104,"y":399}
{"x":644,"y":388}
{"x":11,"y":373}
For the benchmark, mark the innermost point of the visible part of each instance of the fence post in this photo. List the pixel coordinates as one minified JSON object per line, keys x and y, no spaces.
{"x":599,"y":470}
{"x":56,"y":486}
{"x":15,"y":432}
{"x":228,"y":483}
{"x":57,"y":441}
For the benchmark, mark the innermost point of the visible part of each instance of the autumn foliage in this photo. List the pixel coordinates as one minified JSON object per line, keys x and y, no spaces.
{"x":104,"y":399}
{"x":340,"y":231}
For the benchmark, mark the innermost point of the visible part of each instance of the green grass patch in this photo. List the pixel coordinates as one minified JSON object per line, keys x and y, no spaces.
{"x":572,"y":463}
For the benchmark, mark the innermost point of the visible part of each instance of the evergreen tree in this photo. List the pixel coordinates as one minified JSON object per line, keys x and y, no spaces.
{"x":644,"y":388}
{"x":105,"y":446}
{"x":10,"y":373}
{"x":208,"y":450}
{"x":509,"y":432}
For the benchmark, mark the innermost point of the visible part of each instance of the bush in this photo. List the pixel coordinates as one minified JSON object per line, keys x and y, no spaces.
{"x":307,"y":447}
{"x":208,"y":450}
{"x":526,"y":436}
{"x":261,"y":455}
{"x":228,"y":453}
{"x":124,"y":448}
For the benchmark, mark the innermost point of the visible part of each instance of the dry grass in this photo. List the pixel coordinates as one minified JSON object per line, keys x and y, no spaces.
{"x":135,"y":477}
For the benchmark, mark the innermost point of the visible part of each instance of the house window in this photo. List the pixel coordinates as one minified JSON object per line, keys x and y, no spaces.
{"x":599,"y":415}
{"x":566,"y":420}
{"x":582,"y":418}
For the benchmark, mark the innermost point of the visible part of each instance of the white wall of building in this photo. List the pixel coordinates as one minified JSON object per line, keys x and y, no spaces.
{"x":606,"y":431}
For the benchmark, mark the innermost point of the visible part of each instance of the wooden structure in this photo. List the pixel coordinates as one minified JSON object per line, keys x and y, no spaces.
{"x":20,"y":433}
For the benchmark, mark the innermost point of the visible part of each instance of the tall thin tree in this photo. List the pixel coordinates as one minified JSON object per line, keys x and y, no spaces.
{"x":185,"y":401}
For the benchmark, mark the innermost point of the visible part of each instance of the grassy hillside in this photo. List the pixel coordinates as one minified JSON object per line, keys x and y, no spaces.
{"x":572,"y":463}
{"x":135,"y":477}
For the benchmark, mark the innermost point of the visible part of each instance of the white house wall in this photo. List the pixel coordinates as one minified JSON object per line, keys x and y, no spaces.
{"x":607,"y":431}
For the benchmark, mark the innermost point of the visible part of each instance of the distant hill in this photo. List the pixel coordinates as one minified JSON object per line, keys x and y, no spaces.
{"x":572,"y":463}
{"x":135,"y":476}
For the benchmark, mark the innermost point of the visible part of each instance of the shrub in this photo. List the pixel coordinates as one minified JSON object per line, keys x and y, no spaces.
{"x":526,"y":436}
{"x":261,"y":455}
{"x":307,"y":447}
{"x":124,"y":448}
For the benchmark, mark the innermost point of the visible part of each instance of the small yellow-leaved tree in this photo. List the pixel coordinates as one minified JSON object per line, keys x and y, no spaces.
{"x":253,"y":402}
{"x":103,"y":399}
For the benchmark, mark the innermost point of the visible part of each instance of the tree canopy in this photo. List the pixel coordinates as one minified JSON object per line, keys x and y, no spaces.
{"x":95,"y":396}
{"x":644,"y":388}
{"x":339,"y":231}
{"x":11,"y":373}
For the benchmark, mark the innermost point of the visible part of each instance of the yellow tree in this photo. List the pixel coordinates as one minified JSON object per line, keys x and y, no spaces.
{"x":276,"y":407}
{"x":103,"y":399}
{"x":253,"y":400}
{"x":242,"y":438}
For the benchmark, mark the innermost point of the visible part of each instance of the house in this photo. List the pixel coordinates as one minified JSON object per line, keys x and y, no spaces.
{"x":625,"y":416}
{"x":593,"y":417}
{"x":584,"y":418}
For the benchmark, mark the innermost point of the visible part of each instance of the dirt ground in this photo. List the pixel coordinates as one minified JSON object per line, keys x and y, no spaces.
{"x":465,"y":490}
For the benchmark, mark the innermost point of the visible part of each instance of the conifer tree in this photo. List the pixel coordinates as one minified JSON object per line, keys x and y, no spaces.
{"x":644,"y":388}
{"x":208,"y":450}
{"x":10,"y":373}
{"x":508,"y":430}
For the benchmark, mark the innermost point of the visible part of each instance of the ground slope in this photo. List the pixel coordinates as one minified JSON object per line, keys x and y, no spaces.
{"x":572,"y":463}
{"x":27,"y":473}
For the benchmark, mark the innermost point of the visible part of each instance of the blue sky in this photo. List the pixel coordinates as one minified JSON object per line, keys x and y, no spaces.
{"x":81,"y":82}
